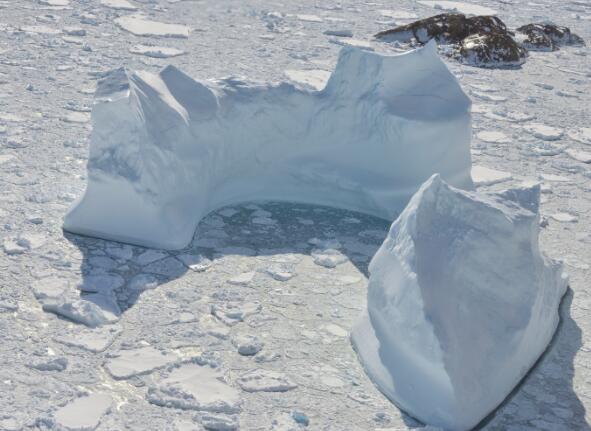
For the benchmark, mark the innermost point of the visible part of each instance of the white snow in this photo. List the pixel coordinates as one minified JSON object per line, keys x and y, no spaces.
{"x":314,"y":147}
{"x":83,"y":413}
{"x":195,"y":387}
{"x":461,"y":303}
{"x":140,"y":26}
{"x":135,"y":362}
{"x":457,"y":6}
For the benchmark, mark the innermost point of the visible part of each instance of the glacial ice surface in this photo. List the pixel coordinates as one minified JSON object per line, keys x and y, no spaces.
{"x":166,"y":149}
{"x":461,"y":303}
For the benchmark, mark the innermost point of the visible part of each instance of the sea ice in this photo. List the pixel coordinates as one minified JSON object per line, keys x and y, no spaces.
{"x":544,"y":132}
{"x":195,"y":387}
{"x":365,"y":142}
{"x":461,"y":303}
{"x":119,"y":5}
{"x":91,"y":310}
{"x":135,"y":362}
{"x":84,"y":413}
{"x":260,"y":380}
{"x":141,"y":26}
{"x":156,"y":51}
{"x":483,"y":176}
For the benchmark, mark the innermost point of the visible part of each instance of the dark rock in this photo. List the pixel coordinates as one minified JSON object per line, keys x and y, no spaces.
{"x":448,"y":28}
{"x":548,"y":37}
{"x":482,"y":41}
{"x":492,"y":50}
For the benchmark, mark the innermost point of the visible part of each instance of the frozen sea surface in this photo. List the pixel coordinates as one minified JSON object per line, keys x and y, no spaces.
{"x":288,"y":290}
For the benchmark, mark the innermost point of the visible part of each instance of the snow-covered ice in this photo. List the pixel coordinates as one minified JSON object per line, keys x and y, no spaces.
{"x":134,"y":362}
{"x":195,"y":387}
{"x":305,"y":148}
{"x":461,"y":303}
{"x":83,"y":413}
{"x":140,"y":26}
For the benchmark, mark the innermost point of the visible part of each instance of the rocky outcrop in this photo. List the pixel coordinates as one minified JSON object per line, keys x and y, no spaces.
{"x":482,"y":41}
{"x":491,"y":50}
{"x":547,"y":37}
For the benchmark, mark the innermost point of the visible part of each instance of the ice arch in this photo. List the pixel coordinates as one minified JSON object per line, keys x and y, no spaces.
{"x":166,"y":149}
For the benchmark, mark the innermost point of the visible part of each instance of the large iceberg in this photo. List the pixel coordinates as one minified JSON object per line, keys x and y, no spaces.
{"x":461,"y":303}
{"x":166,"y":149}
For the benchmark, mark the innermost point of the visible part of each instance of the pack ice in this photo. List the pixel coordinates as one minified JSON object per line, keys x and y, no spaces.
{"x":461,"y":303}
{"x":166,"y":149}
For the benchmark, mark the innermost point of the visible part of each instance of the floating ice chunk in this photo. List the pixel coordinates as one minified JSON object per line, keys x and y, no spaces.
{"x":339,"y":33}
{"x":92,"y":310}
{"x":93,"y":340}
{"x":582,"y":135}
{"x":247,"y":345}
{"x":233,"y":313}
{"x":101,"y":283}
{"x":51,"y":363}
{"x":265,"y":381}
{"x":195,"y":262}
{"x":329,"y":257}
{"x":581,"y":156}
{"x":84,"y":413}
{"x":243,"y":279}
{"x":219,"y":422}
{"x":140,"y":26}
{"x":457,"y":6}
{"x":76,"y":117}
{"x":156,"y":51}
{"x":309,"y":18}
{"x":195,"y":387}
{"x":118,"y":5}
{"x":5,"y":158}
{"x":483,"y":176}
{"x":563,"y":217}
{"x":398,"y":14}
{"x":365,"y":142}
{"x":136,"y":362}
{"x":40,"y":29}
{"x":544,"y":132}
{"x":493,"y":137}
{"x":461,"y":303}
{"x":50,"y":287}
{"x":54,"y":2}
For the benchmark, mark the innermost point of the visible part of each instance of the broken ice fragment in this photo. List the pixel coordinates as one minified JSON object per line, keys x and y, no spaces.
{"x":91,"y":310}
{"x":195,"y":387}
{"x":141,"y":26}
{"x":83,"y":413}
{"x":136,"y":362}
{"x":265,"y":381}
{"x":461,"y":303}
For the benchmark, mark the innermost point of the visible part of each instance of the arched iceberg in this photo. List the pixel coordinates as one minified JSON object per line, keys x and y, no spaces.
{"x":166,"y":149}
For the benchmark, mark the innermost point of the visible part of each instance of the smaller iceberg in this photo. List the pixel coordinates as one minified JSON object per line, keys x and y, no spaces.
{"x":461,"y":303}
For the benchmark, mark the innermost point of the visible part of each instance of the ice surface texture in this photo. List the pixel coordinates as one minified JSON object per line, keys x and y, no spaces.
{"x":166,"y":149}
{"x":461,"y":303}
